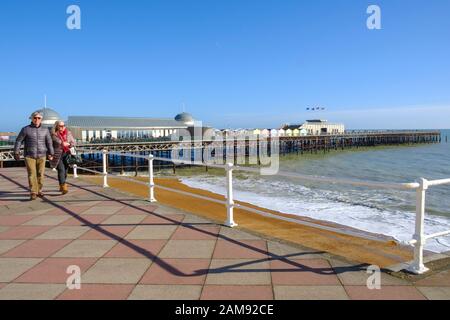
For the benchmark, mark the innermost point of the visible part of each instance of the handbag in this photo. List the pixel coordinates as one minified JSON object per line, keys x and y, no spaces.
{"x":73,"y":158}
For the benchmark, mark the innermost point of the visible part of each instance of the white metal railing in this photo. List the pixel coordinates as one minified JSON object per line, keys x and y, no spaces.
{"x":419,"y":238}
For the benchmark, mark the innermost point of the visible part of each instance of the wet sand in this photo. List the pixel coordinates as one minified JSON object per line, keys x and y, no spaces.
{"x":383,"y":253}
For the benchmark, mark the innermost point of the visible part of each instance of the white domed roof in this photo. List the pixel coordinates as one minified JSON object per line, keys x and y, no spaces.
{"x":49,"y":116}
{"x":185,"y":117}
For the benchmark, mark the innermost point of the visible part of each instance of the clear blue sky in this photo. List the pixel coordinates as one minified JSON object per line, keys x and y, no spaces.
{"x":233,"y":63}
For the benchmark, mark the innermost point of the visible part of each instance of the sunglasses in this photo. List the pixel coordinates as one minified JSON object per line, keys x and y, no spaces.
{"x":37,"y":118}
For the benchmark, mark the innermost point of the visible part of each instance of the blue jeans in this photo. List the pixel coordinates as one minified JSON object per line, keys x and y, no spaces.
{"x":63,"y":168}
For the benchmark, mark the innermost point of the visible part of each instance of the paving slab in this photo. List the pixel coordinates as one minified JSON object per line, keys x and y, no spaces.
{"x":136,"y":208}
{"x":240,"y":249}
{"x":64,"y":232}
{"x":45,"y":220}
{"x":101,"y":232}
{"x":117,"y":271}
{"x":166,"y":292}
{"x":192,"y":219}
{"x":176,"y":272}
{"x":303,"y":272}
{"x":293,"y":252}
{"x":355,"y":274}
{"x":188,"y":249}
{"x":163,"y":210}
{"x":169,"y":219}
{"x":106,"y":210}
{"x":214,"y":292}
{"x":6,"y":245}
{"x":36,"y":248}
{"x":18,"y":291}
{"x":98,"y":292}
{"x":11,"y":268}
{"x":55,"y":270}
{"x":124,"y":220}
{"x":34,"y":211}
{"x":3,"y":228}
{"x":85,"y":249}
{"x":152,"y":232}
{"x":384,"y":293}
{"x":234,"y":233}
{"x":136,"y":249}
{"x":441,"y":279}
{"x":23,"y":232}
{"x":435,"y":293}
{"x":14,"y":220}
{"x":89,"y":221}
{"x":310,"y":293}
{"x":196,"y":233}
{"x":238,"y":272}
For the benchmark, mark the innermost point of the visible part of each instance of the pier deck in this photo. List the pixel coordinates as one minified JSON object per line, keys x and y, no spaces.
{"x":286,"y":144}
{"x":128,"y":248}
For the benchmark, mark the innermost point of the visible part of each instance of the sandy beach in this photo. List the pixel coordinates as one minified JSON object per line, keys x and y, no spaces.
{"x":383,"y":253}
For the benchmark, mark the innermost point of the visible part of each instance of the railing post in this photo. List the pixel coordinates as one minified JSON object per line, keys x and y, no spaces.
{"x":418,"y":266}
{"x":151,"y":183}
{"x":75,"y":171}
{"x":105,"y":171}
{"x":230,"y":203}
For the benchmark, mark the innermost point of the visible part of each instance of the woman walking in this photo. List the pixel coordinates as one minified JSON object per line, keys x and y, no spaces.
{"x":62,"y":142}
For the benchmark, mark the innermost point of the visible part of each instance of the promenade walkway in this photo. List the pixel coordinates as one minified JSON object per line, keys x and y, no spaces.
{"x":127,"y":248}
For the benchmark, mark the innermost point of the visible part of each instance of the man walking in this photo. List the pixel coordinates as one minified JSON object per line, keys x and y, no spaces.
{"x":37,"y":146}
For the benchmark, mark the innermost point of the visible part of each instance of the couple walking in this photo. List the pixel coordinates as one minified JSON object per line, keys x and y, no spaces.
{"x":41,"y":143}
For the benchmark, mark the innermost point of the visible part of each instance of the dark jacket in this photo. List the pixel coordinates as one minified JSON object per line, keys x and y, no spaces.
{"x":37,"y":142}
{"x":57,"y":146}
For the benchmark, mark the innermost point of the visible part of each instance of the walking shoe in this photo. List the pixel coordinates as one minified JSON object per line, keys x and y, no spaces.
{"x":41,"y":194}
{"x":33,"y":196}
{"x":64,"y":188}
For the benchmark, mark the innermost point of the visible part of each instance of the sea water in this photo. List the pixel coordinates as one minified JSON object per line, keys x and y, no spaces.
{"x":381,"y":211}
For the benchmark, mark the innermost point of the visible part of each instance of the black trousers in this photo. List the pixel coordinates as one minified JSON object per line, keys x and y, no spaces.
{"x":63,"y":168}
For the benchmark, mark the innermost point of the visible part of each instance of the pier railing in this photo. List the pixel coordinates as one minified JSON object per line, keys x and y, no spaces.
{"x":419,"y":237}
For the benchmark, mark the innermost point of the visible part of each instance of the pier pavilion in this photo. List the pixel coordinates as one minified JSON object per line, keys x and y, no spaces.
{"x":49,"y":116}
{"x":315,"y":127}
{"x":91,"y":128}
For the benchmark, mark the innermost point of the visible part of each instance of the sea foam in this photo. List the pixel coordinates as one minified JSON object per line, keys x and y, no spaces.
{"x":364,"y":213}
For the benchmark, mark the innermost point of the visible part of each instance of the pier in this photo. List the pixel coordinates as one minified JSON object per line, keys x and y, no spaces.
{"x":286,"y":145}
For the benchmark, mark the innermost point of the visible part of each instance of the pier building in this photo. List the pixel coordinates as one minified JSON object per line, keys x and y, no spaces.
{"x":49,"y":116}
{"x":91,"y":128}
{"x":7,"y":138}
{"x":314,"y":127}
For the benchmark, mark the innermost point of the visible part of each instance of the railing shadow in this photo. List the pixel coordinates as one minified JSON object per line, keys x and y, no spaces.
{"x":299,"y":267}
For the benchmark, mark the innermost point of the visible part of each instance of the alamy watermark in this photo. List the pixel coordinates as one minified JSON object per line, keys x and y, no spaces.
{"x":73,"y":22}
{"x":374,"y":280}
{"x":204,"y":146}
{"x":374,"y":20}
{"x":73,"y":281}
